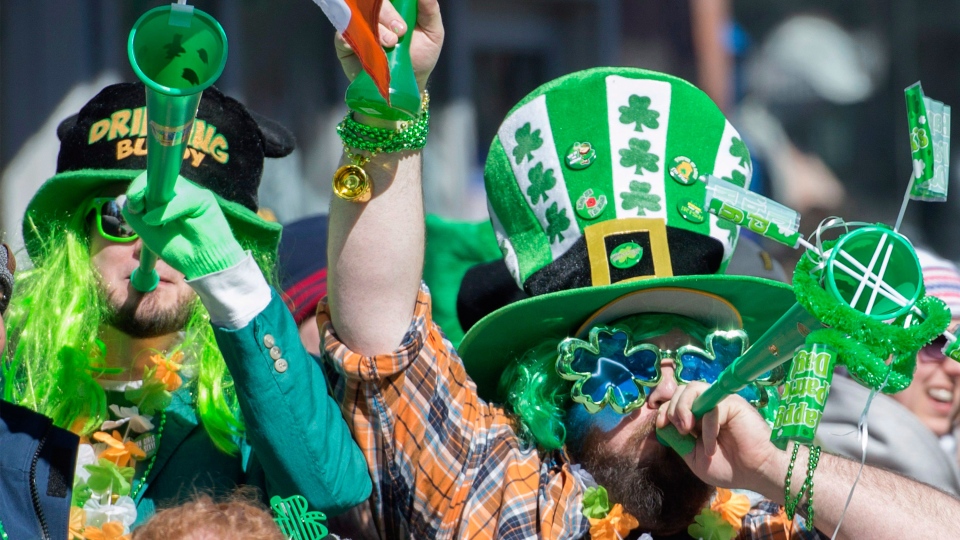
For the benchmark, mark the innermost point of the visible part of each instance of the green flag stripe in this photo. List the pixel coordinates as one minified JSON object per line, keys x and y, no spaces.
{"x":513,"y":211}
{"x":574,"y":119}
{"x":696,"y":126}
{"x":732,"y":164}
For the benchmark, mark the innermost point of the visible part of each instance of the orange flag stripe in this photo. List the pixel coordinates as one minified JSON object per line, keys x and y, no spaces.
{"x":363,"y":35}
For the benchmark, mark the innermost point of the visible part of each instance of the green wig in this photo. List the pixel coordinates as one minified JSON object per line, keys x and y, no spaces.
{"x":539,"y":398}
{"x":53,"y":323}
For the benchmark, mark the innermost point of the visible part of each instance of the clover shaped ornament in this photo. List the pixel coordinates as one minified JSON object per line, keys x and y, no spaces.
{"x":608,"y":370}
{"x":722,"y":348}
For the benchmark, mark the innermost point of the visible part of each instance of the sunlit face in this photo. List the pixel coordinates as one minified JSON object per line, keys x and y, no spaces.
{"x":162,"y":311}
{"x":623,"y":455}
{"x":934,"y":394}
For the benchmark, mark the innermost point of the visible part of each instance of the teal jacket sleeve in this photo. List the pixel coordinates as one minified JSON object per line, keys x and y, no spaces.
{"x":292,"y":423}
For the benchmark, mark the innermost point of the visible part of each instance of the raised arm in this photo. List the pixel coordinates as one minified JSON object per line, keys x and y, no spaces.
{"x":375,"y":249}
{"x":734,"y":450}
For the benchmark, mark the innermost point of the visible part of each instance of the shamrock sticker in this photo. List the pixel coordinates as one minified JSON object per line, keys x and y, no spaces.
{"x":541,"y":181}
{"x":730,"y":227}
{"x":638,"y":111}
{"x":739,"y":150}
{"x":737,"y":178}
{"x":639,"y":197}
{"x":557,"y":223}
{"x":918,"y":139}
{"x":108,"y":476}
{"x":527,"y":142}
{"x":596,"y":502}
{"x":709,"y":525}
{"x":626,"y":255}
{"x":638,"y":155}
{"x":175,"y":47}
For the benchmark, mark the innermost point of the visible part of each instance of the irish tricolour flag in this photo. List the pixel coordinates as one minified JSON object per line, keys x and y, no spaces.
{"x":357,"y":21}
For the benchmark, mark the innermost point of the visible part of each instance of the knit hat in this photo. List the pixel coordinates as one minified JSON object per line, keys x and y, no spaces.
{"x":303,"y":265}
{"x":941,"y":279}
{"x":105,"y":144}
{"x":595,"y":191}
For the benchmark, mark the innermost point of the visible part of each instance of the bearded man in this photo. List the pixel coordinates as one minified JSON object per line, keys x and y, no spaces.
{"x":542,"y":423}
{"x":200,"y":384}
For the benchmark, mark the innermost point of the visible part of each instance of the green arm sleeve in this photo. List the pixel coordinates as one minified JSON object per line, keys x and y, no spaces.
{"x":293,"y":425}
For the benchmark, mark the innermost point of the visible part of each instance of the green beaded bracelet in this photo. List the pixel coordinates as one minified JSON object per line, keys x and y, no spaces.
{"x":409,"y":136}
{"x":806,"y":488}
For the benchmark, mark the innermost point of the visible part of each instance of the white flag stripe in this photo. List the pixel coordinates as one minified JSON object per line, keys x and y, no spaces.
{"x":506,"y":247}
{"x":723,"y":167}
{"x":619,"y":91}
{"x":337,"y":11}
{"x":534,"y":113}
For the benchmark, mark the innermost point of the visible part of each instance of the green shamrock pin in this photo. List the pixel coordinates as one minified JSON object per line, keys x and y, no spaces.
{"x":295,"y":522}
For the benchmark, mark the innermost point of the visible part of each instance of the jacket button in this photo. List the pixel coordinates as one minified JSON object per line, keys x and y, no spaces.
{"x":275,"y":353}
{"x":280,"y":365}
{"x":268,"y":341}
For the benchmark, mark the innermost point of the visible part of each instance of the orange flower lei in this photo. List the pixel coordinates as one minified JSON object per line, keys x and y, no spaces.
{"x":118,"y":450}
{"x":78,"y":520}
{"x":167,"y":369}
{"x":110,"y":531}
{"x":616,"y":525}
{"x":731,"y":506}
{"x":723,"y":519}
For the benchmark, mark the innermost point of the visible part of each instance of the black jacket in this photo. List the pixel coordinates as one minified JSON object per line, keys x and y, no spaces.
{"x":37,"y":461}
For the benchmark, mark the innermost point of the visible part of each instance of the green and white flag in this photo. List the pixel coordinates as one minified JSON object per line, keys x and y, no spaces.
{"x":929,"y":123}
{"x":745,"y":208}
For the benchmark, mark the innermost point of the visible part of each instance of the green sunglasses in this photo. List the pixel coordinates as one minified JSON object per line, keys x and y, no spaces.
{"x":109,"y":219}
{"x":609,"y":369}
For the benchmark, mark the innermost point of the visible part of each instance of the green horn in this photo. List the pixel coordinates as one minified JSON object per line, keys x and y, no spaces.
{"x":177,"y":51}
{"x":362,"y":94}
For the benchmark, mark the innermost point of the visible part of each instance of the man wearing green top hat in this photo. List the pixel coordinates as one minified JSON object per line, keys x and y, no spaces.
{"x":542,"y":423}
{"x":201,"y":384}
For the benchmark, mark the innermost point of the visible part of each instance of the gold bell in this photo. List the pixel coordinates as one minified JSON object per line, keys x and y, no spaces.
{"x":352,"y":184}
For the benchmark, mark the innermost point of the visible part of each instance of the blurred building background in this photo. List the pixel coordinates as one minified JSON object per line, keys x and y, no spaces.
{"x":815,"y":86}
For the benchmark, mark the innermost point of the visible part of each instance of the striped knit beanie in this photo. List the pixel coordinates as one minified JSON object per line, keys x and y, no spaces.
{"x":941,"y":279}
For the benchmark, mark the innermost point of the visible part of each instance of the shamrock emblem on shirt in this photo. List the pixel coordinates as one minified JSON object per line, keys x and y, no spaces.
{"x":295,"y":522}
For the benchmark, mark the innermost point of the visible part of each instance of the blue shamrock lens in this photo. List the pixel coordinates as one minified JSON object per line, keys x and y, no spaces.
{"x":612,"y":369}
{"x":698,"y":367}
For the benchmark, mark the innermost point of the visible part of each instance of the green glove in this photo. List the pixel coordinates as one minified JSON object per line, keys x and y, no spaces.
{"x":190,"y":232}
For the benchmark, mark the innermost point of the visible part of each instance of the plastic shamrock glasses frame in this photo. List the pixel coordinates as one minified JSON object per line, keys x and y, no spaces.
{"x":110,"y":222}
{"x":609,"y":369}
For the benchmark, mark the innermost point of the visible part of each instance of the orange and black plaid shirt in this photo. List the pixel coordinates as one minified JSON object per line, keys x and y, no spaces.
{"x":445,"y":463}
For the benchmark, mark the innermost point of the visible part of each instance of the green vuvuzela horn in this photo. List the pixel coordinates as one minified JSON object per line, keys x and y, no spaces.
{"x":362,"y":95}
{"x":177,"y":51}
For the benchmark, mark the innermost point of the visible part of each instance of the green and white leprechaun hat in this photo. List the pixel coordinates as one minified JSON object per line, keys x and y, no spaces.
{"x":596,"y":192}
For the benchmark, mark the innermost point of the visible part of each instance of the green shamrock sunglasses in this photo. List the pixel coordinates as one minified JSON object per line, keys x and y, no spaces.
{"x":608,"y":369}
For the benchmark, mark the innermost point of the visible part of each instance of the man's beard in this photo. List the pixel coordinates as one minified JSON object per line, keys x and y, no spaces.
{"x":141,"y":317}
{"x":660,"y":491}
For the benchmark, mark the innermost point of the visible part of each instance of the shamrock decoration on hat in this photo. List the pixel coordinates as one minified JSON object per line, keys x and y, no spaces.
{"x":595,"y":191}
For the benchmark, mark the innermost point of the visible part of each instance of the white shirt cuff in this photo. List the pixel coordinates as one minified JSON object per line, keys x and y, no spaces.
{"x":234,"y":296}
